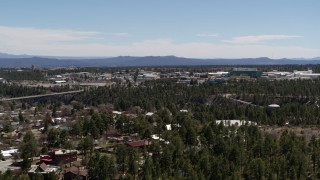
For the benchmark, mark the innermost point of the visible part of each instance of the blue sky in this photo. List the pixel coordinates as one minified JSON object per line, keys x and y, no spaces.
{"x":202,"y":29}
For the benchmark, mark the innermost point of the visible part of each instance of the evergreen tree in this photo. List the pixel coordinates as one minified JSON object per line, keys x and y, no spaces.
{"x":29,"y":149}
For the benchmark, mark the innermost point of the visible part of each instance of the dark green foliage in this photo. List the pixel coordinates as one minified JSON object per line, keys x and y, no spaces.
{"x":28,"y":149}
{"x":21,"y":75}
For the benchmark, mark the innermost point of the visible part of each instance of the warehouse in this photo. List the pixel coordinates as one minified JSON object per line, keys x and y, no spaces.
{"x":245,"y":72}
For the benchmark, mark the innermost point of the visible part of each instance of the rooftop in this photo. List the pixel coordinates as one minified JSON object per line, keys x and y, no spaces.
{"x":139,"y":143}
{"x":244,"y":69}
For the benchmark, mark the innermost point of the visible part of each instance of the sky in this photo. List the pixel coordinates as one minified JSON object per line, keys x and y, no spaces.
{"x":184,"y":28}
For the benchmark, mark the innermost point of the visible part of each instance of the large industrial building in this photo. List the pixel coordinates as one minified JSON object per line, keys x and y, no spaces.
{"x":245,"y":72}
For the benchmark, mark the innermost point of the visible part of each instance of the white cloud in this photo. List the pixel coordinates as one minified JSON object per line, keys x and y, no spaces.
{"x":77,"y":43}
{"x":26,"y":34}
{"x":258,"y":39}
{"x":121,"y":34}
{"x":208,"y":35}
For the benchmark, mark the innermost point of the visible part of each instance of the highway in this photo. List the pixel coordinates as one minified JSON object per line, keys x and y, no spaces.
{"x":40,"y":95}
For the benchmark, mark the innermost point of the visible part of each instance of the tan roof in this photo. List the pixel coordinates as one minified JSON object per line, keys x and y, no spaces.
{"x":76,"y":171}
{"x":43,"y":166}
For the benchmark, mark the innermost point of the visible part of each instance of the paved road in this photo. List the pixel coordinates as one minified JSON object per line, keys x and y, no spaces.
{"x":40,"y":95}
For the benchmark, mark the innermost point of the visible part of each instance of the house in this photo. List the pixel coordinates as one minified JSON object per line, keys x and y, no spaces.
{"x":60,"y":156}
{"x":3,"y":81}
{"x":60,"y":82}
{"x":58,"y":120}
{"x":235,"y":122}
{"x":156,"y":137}
{"x":42,"y":169}
{"x":75,"y":173}
{"x":7,"y":154}
{"x":139,"y":143}
{"x":149,"y":114}
{"x":116,"y":112}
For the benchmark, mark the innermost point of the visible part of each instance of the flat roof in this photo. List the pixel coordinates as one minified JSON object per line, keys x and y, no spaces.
{"x":244,"y":69}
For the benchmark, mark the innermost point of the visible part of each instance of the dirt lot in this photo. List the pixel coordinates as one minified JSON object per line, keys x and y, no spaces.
{"x":276,"y":131}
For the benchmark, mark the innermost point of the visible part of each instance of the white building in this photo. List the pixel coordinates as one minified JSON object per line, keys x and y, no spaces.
{"x":7,"y":154}
{"x":235,"y":122}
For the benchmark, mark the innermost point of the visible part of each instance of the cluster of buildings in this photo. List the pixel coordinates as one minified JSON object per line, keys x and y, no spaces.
{"x":102,"y":79}
{"x":62,"y":162}
{"x":137,"y":76}
{"x":291,"y":75}
{"x":244,"y":74}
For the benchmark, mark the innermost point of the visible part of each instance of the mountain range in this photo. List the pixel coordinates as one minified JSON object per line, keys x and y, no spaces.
{"x":18,"y":61}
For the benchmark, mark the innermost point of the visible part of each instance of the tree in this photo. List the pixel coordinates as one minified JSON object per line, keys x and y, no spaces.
{"x":52,"y":176}
{"x":53,"y":137}
{"x":147,"y":169}
{"x":86,"y":146}
{"x":44,"y":150}
{"x":191,"y":136}
{"x":35,"y":112}
{"x":257,"y":168}
{"x":100,"y":167}
{"x":37,"y":176}
{"x":29,"y":148}
{"x":21,"y":118}
{"x":133,"y":162}
{"x":63,"y":137}
{"x":7,"y":175}
{"x":7,"y":127}
{"x":76,"y":129}
{"x":103,"y":170}
{"x":179,"y":147}
{"x":93,"y":166}
{"x":122,"y":157}
{"x":24,"y":176}
{"x":166,"y":161}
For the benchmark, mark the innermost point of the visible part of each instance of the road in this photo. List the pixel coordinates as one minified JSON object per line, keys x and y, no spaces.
{"x":229,"y":96}
{"x":41,"y":95}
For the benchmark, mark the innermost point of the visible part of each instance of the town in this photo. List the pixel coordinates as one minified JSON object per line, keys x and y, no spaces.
{"x":132,"y":76}
{"x":65,"y":125}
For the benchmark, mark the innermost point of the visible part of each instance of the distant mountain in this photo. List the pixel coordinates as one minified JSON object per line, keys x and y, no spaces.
{"x":123,"y":61}
{"x":5,"y":55}
{"x":11,"y":56}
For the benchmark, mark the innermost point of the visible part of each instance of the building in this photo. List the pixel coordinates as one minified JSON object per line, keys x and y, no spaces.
{"x":276,"y":74}
{"x":306,"y":74}
{"x":273,"y":106}
{"x":218,"y":74}
{"x":59,"y":157}
{"x":7,"y":154}
{"x":3,"y":81}
{"x":245,"y":72}
{"x":140,"y":143}
{"x":235,"y":122}
{"x":148,"y":76}
{"x":75,"y":173}
{"x":217,"y":80}
{"x":42,"y":169}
